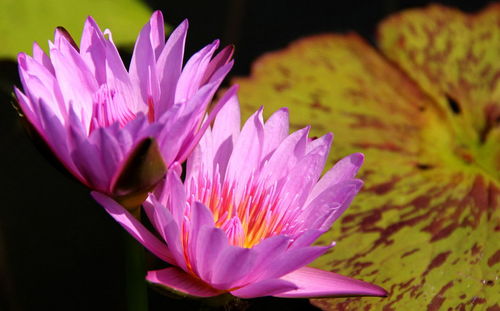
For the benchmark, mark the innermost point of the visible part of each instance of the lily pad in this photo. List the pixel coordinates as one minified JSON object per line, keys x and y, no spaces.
{"x":25,"y":21}
{"x":426,"y":113}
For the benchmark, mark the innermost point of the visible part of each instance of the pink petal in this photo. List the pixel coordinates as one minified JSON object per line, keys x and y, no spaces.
{"x":229,"y":95}
{"x":182,"y":282}
{"x":134,"y":227}
{"x":211,"y":242}
{"x":267,"y":287}
{"x":42,"y":58}
{"x":157,"y":36}
{"x":169,"y":67}
{"x":167,"y":228}
{"x":86,"y":158}
{"x":142,"y":66}
{"x":27,"y":108}
{"x":268,"y":250}
{"x":330,"y":204}
{"x":108,"y":151}
{"x":315,"y":283}
{"x":302,"y":177}
{"x":92,"y":49}
{"x":225,"y":132}
{"x":227,"y":123}
{"x":294,"y":259}
{"x":55,"y":136}
{"x":288,"y":153}
{"x":247,"y":151}
{"x":306,"y":238}
{"x":221,"y":59}
{"x":192,"y":74}
{"x":199,"y":162}
{"x":344,"y":169}
{"x":127,"y":94}
{"x":177,"y":196}
{"x":201,"y":217}
{"x":76,"y":81}
{"x":181,"y":122}
{"x":321,"y":147}
{"x":232,"y":265}
{"x":40,"y":84}
{"x":325,"y":140}
{"x":276,"y":130}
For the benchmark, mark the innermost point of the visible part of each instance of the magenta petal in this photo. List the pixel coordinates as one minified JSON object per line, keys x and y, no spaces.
{"x":315,"y":283}
{"x":92,"y":49}
{"x":344,"y":169}
{"x":294,"y":259}
{"x":330,"y":204}
{"x":276,"y":130}
{"x":225,"y":132}
{"x":71,"y":70}
{"x":247,"y":151}
{"x":200,"y":217}
{"x":169,"y":66}
{"x":286,"y":155}
{"x":211,"y":242}
{"x":134,"y":227}
{"x":268,"y":251}
{"x":227,"y":97}
{"x":157,"y":32}
{"x":306,"y":238}
{"x":192,"y":74}
{"x":27,"y":108}
{"x":218,"y":61}
{"x":55,"y":137}
{"x":142,"y":65}
{"x":264,"y":288}
{"x":86,"y":157}
{"x":232,"y":265}
{"x":167,"y":228}
{"x":42,"y":58}
{"x":180,"y":281}
{"x":40,"y":84}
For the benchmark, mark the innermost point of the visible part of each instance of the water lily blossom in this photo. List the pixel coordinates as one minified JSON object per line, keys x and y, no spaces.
{"x":101,"y":120}
{"x":248,"y":211}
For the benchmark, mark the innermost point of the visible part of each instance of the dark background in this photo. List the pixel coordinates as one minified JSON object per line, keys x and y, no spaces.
{"x":58,"y":249}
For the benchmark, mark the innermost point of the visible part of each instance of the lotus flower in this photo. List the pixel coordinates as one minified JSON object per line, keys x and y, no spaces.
{"x":103,"y":121}
{"x":251,"y":206}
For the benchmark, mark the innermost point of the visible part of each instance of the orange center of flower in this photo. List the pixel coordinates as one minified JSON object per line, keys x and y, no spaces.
{"x":247,"y":215}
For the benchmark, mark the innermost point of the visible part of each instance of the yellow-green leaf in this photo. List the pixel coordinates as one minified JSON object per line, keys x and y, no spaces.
{"x":25,"y":21}
{"x":426,"y":226}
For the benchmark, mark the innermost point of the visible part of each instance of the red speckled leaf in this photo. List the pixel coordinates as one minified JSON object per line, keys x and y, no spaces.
{"x":427,"y":224}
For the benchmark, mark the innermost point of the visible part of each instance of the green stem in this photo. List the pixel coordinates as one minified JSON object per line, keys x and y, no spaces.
{"x":136,"y":290}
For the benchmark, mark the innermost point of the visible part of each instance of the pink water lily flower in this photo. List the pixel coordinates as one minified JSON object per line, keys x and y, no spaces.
{"x":94,"y":114}
{"x":244,"y":220}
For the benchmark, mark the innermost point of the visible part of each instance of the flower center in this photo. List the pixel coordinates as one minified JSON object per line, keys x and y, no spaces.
{"x":248,"y":215}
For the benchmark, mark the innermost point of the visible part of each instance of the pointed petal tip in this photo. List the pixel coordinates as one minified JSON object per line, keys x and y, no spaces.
{"x":157,"y":14}
{"x":233,"y":90}
{"x":284,"y":109}
{"x":90,"y":21}
{"x":357,"y":158}
{"x":21,"y":59}
{"x":184,"y":23}
{"x":316,"y":283}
